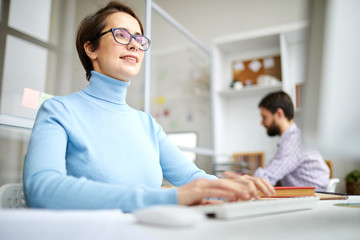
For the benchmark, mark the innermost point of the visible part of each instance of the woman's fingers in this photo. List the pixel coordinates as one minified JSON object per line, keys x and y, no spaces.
{"x":246,"y":181}
{"x":211,"y":201}
{"x":261,"y":184}
{"x":200,"y":189}
{"x":195,"y":192}
{"x":230,"y":174}
{"x":243,"y":190}
{"x":265,"y":187}
{"x":233,"y":188}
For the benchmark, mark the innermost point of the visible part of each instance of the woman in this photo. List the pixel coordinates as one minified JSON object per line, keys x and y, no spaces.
{"x":91,"y":150}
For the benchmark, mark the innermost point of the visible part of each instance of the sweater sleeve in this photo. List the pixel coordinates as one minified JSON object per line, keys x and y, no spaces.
{"x":47,"y":184}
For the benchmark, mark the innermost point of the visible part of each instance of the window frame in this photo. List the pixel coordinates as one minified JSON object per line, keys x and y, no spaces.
{"x":5,"y":30}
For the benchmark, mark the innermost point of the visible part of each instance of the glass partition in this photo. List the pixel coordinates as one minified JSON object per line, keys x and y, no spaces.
{"x":180,"y":86}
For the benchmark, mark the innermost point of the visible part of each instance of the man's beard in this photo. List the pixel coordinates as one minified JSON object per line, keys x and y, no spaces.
{"x":273,"y":130}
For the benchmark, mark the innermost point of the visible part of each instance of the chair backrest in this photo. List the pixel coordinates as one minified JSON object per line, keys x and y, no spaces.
{"x":329,"y":163}
{"x":12,"y":196}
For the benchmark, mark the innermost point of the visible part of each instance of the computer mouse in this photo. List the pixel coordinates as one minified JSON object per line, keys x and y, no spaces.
{"x":169,"y":215}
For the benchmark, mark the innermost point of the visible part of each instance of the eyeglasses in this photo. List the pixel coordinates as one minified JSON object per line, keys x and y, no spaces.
{"x":122,"y":36}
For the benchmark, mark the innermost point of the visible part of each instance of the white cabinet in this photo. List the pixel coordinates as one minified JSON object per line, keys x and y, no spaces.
{"x":237,"y":122}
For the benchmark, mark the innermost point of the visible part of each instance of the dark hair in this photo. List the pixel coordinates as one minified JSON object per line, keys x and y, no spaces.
{"x":276,"y":100}
{"x":93,"y":25}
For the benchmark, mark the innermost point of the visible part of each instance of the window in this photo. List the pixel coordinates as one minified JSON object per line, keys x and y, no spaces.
{"x":27,"y":52}
{"x":31,"y":17}
{"x":26,"y":45}
{"x":185,"y":141}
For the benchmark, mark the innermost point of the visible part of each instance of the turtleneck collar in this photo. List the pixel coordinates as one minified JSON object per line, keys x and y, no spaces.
{"x":107,"y":88}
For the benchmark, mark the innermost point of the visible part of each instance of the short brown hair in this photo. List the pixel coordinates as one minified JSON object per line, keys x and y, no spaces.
{"x":92,"y":25}
{"x":276,"y":100}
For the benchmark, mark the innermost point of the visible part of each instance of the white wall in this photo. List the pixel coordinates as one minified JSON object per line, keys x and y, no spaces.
{"x":331,"y":116}
{"x":208,"y":19}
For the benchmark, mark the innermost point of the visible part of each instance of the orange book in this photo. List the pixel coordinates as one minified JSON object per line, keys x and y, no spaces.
{"x":303,"y":191}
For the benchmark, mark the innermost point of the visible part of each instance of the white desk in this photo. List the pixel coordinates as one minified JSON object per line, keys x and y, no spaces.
{"x":324,"y":222}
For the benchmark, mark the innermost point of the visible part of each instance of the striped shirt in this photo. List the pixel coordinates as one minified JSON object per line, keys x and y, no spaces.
{"x":293,"y":165}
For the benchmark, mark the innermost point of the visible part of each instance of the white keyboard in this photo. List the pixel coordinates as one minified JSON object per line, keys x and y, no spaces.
{"x":257,"y":207}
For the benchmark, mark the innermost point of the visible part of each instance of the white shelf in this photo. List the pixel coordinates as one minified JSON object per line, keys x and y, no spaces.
{"x":230,"y":93}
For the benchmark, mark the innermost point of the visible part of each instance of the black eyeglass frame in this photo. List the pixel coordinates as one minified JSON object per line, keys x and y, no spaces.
{"x":112,"y":30}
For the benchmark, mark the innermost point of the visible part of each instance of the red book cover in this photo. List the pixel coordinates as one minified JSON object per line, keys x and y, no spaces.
{"x":293,"y":187}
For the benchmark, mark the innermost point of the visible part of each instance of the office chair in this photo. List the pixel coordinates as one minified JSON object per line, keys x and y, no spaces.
{"x":331,"y":187}
{"x":12,"y":196}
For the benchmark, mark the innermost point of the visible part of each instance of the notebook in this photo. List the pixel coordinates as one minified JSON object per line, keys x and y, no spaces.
{"x":257,"y":207}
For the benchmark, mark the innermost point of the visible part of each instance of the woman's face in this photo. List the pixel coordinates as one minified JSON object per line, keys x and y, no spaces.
{"x":116,"y":60}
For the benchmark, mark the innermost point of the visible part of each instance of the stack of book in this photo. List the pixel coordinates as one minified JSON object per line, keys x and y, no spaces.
{"x":304,"y":191}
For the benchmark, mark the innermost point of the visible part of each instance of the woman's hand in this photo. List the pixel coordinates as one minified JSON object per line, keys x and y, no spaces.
{"x":233,"y":188}
{"x":260,"y":184}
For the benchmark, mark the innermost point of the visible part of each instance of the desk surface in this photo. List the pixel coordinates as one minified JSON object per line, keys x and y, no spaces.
{"x":326,"y":221}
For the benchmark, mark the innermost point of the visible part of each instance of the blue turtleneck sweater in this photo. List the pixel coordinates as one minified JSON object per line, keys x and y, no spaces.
{"x":90,"y":150}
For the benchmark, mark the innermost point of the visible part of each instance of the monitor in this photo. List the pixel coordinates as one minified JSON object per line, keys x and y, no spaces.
{"x":187,"y":141}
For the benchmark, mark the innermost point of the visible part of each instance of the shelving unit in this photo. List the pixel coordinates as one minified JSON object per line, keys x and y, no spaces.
{"x":243,"y":163}
{"x":235,"y":110}
{"x":245,"y":91}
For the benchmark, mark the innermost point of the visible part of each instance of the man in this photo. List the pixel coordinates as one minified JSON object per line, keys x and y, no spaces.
{"x":292,"y":165}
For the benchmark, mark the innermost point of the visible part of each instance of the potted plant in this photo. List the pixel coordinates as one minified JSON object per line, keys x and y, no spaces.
{"x":352,"y":180}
